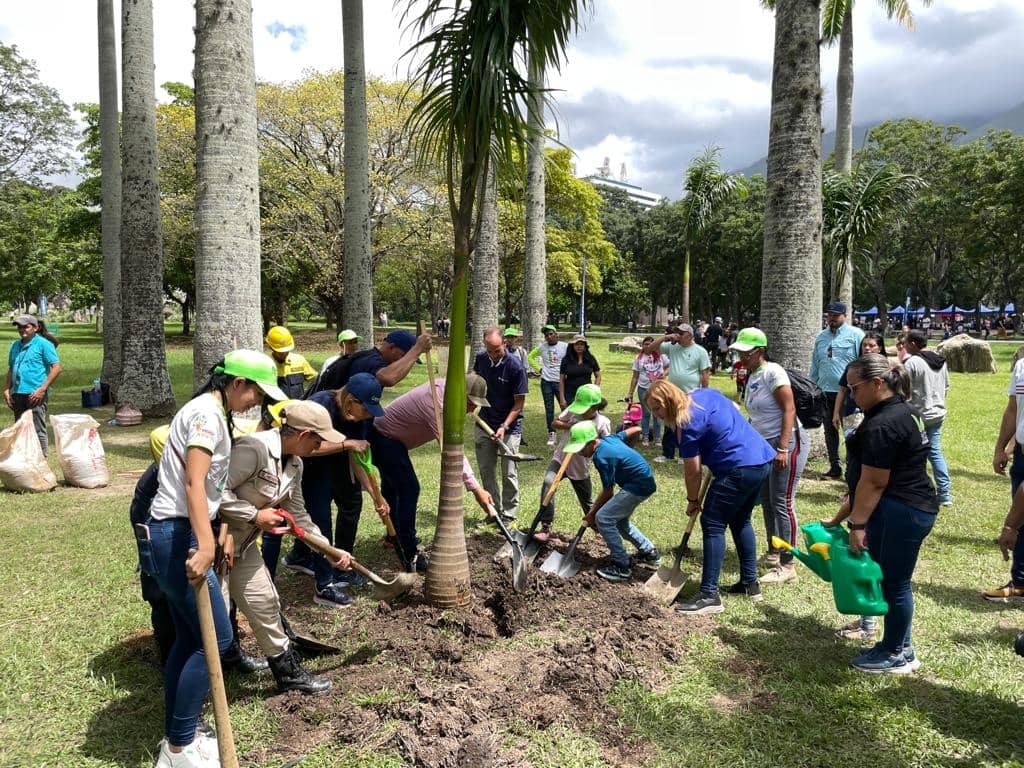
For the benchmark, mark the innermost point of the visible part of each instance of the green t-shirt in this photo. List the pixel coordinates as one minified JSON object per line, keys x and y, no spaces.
{"x":685,"y":364}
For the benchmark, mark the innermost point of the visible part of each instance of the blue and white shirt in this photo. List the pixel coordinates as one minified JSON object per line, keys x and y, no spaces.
{"x":832,"y":353}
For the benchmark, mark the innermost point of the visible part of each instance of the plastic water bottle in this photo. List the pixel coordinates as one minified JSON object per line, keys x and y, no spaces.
{"x":96,"y":385}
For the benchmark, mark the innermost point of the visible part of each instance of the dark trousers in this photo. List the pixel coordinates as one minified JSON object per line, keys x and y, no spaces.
{"x":324,"y":480}
{"x":21,"y":404}
{"x":400,"y":487}
{"x":549,"y":393}
{"x":831,"y":433}
{"x":1016,"y":478}
{"x":895,"y":532}
{"x":669,"y":444}
{"x":730,"y":500}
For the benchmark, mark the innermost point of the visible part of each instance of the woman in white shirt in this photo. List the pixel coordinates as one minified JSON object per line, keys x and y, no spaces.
{"x":177,"y":544}
{"x":772,"y":412}
{"x":647,"y":369}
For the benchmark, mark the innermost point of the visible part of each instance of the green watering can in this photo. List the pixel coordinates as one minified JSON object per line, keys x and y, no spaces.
{"x":856,"y":579}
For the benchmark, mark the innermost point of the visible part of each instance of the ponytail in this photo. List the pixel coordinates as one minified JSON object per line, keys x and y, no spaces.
{"x":875,"y":366}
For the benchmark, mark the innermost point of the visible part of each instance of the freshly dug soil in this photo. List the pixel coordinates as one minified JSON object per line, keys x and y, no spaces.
{"x":448,"y":688}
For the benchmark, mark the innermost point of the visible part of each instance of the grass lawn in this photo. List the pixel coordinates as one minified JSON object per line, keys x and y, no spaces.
{"x":768,"y":686}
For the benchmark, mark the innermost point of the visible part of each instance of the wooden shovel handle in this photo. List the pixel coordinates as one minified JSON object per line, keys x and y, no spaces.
{"x":225,"y":736}
{"x":323,"y":546}
{"x":377,"y":499}
{"x":558,"y":478}
{"x":483,"y":424}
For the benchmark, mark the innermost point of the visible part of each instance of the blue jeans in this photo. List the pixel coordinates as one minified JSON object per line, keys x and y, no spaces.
{"x":939,"y":468}
{"x":1016,"y":478}
{"x":729,"y":502}
{"x":186,"y":682}
{"x":549,"y":392}
{"x":399,"y":486}
{"x":648,"y":420}
{"x":613,"y":522}
{"x":895,"y":532}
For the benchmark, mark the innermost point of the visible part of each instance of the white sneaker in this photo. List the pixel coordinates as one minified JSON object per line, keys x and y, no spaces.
{"x":195,"y":755}
{"x":680,"y":460}
{"x":551,"y":438}
{"x":660,"y":459}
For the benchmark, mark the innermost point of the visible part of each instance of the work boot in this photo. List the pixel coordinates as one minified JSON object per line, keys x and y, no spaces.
{"x":235,"y":659}
{"x":292,"y":676}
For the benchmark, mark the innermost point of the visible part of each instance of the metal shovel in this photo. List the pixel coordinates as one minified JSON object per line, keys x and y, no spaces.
{"x":519,"y":565}
{"x":530,"y":545}
{"x":666,"y":583}
{"x":381,"y":589}
{"x":565,"y":566}
{"x":503,"y":447}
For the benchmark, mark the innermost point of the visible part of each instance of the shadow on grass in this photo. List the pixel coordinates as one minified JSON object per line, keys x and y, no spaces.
{"x":958,"y":540}
{"x":957,"y":597}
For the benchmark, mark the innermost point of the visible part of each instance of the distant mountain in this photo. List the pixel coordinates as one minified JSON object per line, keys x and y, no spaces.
{"x":975,"y":125}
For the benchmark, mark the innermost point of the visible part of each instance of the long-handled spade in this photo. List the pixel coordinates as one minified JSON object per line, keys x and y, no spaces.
{"x":565,"y":566}
{"x":381,"y":589}
{"x":503,"y":447}
{"x":529,"y":544}
{"x":519,"y":565}
{"x":664,"y":586}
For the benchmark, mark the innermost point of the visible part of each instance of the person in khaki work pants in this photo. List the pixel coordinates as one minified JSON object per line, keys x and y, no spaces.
{"x":265,"y":474}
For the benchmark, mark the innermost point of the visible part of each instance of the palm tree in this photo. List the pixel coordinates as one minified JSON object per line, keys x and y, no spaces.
{"x":144,"y":381}
{"x":791,"y":270}
{"x":859,"y":209}
{"x":837,"y":24}
{"x":705,"y":188}
{"x":535,"y":295}
{"x":110,"y":183}
{"x":485,"y":265}
{"x":472,"y":115}
{"x":357,"y":311}
{"x":227,"y":185}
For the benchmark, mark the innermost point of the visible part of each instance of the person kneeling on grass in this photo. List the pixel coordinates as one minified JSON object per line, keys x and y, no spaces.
{"x":617,"y":464}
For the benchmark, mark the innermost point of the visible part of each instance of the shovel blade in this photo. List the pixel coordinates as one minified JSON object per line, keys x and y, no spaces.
{"x":666,"y":583}
{"x":389,"y":590}
{"x":563,"y":566}
{"x":520,"y":577}
{"x":552,"y":563}
{"x":530,"y":551}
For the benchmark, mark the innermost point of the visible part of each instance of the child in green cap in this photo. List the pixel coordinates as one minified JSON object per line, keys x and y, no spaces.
{"x":617,"y":464}
{"x":587,"y":405}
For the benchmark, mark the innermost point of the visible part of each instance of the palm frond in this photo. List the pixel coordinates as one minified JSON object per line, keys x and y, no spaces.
{"x":833,"y":14}
{"x":705,"y":187}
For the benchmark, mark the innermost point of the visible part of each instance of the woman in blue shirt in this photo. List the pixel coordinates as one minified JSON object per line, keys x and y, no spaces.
{"x":711,"y":430}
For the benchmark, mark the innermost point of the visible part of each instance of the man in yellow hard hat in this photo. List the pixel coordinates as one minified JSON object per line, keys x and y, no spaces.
{"x":294,"y":372}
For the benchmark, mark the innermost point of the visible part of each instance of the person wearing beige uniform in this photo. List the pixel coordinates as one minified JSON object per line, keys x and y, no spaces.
{"x":265,"y":475}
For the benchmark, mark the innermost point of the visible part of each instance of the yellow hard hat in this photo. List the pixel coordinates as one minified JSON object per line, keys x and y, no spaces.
{"x":280,"y":339}
{"x":157,"y":441}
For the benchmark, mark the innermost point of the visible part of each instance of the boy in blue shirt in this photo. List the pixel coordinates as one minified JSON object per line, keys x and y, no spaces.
{"x":617,"y":464}
{"x":32,"y":367}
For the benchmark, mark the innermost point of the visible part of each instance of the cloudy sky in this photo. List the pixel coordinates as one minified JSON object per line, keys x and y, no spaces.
{"x":648,"y":83}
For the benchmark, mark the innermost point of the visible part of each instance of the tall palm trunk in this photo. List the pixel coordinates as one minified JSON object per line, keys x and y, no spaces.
{"x":686,"y":286}
{"x":357,"y":312}
{"x":227,"y":185}
{"x":791,"y":273}
{"x":144,"y":380}
{"x":110,"y":182}
{"x":535,"y":296}
{"x":485,"y":266}
{"x":844,"y":135}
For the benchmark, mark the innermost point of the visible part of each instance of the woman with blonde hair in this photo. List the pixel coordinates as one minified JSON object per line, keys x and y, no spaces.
{"x":710,"y":429}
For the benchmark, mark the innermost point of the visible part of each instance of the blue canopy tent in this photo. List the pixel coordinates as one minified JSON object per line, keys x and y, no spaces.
{"x":901,"y":310}
{"x":871,"y":311}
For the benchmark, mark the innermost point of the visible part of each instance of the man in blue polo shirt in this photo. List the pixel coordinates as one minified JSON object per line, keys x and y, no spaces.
{"x":835,"y":347}
{"x":506,"y":392}
{"x":32,"y":367}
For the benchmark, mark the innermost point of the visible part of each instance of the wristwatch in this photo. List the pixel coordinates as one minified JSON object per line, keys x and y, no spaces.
{"x":856,"y":526}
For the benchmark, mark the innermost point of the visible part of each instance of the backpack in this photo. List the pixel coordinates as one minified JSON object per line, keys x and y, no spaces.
{"x":337,"y":375}
{"x":808,"y":398}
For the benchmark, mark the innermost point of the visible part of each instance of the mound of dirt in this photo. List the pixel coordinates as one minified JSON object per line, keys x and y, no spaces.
{"x":447,"y":688}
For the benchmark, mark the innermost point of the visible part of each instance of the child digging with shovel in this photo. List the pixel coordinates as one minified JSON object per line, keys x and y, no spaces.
{"x":617,"y":464}
{"x":586,"y":406}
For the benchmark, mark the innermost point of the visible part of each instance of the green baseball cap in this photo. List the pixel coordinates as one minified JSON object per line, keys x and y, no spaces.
{"x":510,"y":332}
{"x":748,"y":339}
{"x":580,"y":434}
{"x":255,"y":367}
{"x":546,"y":328}
{"x":348,"y":335}
{"x":586,"y":398}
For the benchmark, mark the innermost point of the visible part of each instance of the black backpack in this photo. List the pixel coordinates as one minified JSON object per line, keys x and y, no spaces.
{"x":337,"y":374}
{"x":808,"y":398}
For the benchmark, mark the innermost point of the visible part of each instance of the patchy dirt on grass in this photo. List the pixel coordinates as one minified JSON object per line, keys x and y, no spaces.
{"x":461,"y":688}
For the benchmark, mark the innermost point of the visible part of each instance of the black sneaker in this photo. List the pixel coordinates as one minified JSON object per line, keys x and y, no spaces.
{"x":701,"y":604}
{"x":646,"y":557}
{"x":419,"y":562}
{"x":835,"y":473}
{"x":299,"y":564}
{"x":332,"y":596}
{"x":351,"y":578}
{"x":612,"y":572}
{"x":751,"y":590}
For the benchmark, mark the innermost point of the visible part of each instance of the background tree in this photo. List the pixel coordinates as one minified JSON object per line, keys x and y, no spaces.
{"x":485,"y":266}
{"x":471,"y":113}
{"x":705,"y":188}
{"x":110,"y":175}
{"x":791,"y":272}
{"x":357,"y":312}
{"x":144,"y":381}
{"x":535,"y":300}
{"x":227,"y":185}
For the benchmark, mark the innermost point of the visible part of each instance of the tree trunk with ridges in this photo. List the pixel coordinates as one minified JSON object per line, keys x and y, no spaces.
{"x":535,"y":296}
{"x":485,"y":268}
{"x":844,"y":135}
{"x":110,"y":181}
